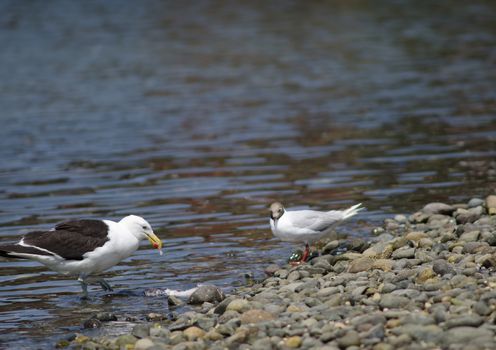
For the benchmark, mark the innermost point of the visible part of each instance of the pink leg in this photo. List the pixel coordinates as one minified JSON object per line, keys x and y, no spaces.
{"x":306,"y":253}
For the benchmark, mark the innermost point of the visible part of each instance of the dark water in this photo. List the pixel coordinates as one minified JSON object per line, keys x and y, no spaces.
{"x":196,"y":115}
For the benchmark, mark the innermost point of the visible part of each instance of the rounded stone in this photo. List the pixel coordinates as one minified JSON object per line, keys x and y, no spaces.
{"x":351,"y":338}
{"x":465,"y":335}
{"x":125,"y":340}
{"x":438,"y":208}
{"x":441,"y":267}
{"x":239,"y":305}
{"x":143,"y":344}
{"x":255,"y":316}
{"x":392,"y":301}
{"x":92,"y":323}
{"x":424,"y":275}
{"x":213,"y":335}
{"x":106,"y":316}
{"x":193,"y":333}
{"x":203,"y":294}
{"x":475,"y":202}
{"x":360,"y":264}
{"x":491,"y":204}
{"x":293,"y":342}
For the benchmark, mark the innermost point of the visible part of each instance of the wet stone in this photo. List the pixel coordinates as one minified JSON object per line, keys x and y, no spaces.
{"x":475,"y":202}
{"x":143,"y":344}
{"x":174,"y":301}
{"x":154,"y":317}
{"x":106,"y":316}
{"x":211,"y":294}
{"x":438,"y":208}
{"x":92,"y":323}
{"x":141,"y":331}
{"x":271,"y":269}
{"x":356,"y":245}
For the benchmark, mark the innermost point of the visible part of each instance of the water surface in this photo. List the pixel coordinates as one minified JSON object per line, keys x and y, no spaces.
{"x":197,"y":115}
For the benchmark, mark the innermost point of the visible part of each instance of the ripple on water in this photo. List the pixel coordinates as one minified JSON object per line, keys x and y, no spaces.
{"x":197,"y":120}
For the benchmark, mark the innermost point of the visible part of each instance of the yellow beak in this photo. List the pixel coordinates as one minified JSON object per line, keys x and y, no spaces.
{"x":155,"y":241}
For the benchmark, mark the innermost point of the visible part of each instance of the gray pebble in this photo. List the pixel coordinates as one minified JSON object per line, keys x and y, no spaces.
{"x":467,"y":320}
{"x":441,"y":267}
{"x":207,"y":293}
{"x":294,"y":276}
{"x":475,"y":202}
{"x":105,"y":316}
{"x":174,"y":301}
{"x":262,"y":344}
{"x":92,"y":323}
{"x":464,"y":335}
{"x":141,"y":330}
{"x":349,"y":339}
{"x":391,"y":301}
{"x":403,"y":253}
{"x":482,"y":308}
{"x":438,"y":208}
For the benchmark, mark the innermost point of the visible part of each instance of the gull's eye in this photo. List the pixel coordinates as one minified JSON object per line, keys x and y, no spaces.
{"x":143,"y":227}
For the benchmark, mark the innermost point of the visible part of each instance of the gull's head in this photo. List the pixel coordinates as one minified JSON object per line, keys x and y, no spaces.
{"x":141,"y":229}
{"x":276,"y":210}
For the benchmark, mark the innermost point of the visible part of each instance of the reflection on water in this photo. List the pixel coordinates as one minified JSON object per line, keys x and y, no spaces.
{"x":198,"y":115}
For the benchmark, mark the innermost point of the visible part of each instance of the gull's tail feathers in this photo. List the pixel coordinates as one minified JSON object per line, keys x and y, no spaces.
{"x":352,"y":211}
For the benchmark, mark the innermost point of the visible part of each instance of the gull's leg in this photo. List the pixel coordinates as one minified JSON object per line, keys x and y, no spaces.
{"x":84,"y":285}
{"x":305,"y":253}
{"x":105,"y":286}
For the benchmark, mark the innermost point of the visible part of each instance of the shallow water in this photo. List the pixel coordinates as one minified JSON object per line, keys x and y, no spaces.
{"x":197,"y":115}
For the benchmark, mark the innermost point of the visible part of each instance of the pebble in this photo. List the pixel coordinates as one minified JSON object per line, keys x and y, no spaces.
{"x":255,"y":316}
{"x":351,"y":338}
{"x":92,"y":323}
{"x":438,"y":208}
{"x":193,"y":333}
{"x":143,"y":344}
{"x":392,"y":301}
{"x":293,"y":342}
{"x":174,"y":301}
{"x":404,"y":253}
{"x":465,"y":335}
{"x":424,"y":282}
{"x":468,"y":320}
{"x":441,"y":267}
{"x":361,"y":264}
{"x":238,"y":305}
{"x":105,"y":316}
{"x":475,"y":202}
{"x":491,"y":204}
{"x":153,"y":317}
{"x":207,"y":293}
{"x":141,"y":330}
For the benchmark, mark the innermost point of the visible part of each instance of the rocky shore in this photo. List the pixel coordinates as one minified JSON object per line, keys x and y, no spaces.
{"x":424,"y":281}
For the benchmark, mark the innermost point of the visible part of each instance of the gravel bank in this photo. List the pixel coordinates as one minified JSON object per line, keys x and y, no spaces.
{"x":424,"y":281}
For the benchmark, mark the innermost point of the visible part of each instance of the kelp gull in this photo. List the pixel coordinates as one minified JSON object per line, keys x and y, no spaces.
{"x":84,"y":247}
